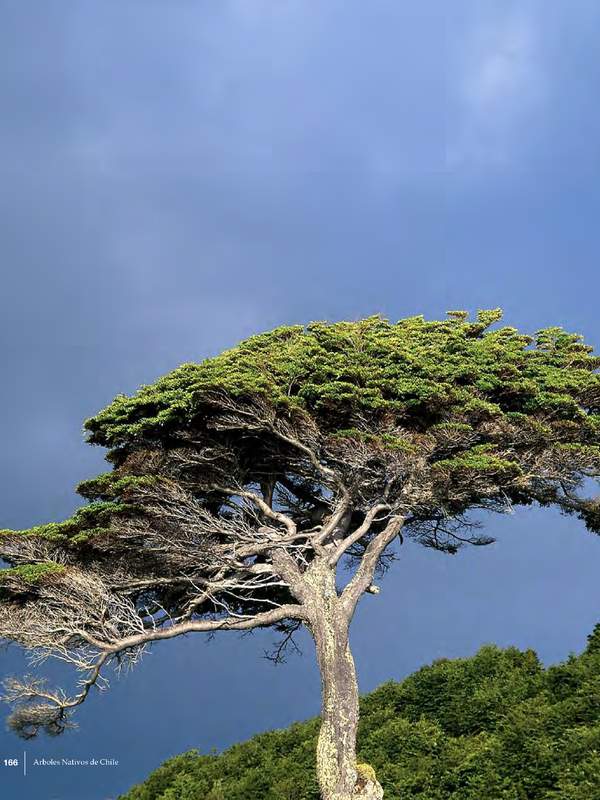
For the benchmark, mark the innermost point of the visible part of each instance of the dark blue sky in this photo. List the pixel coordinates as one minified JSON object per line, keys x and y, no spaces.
{"x":176,"y":176}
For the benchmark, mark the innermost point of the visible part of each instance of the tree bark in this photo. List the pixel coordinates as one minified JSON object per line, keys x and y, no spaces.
{"x":336,"y":748}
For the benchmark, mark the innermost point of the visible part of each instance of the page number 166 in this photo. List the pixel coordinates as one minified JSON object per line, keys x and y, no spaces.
{"x":10,"y":762}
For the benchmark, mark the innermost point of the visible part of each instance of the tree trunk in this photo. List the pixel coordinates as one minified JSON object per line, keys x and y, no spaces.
{"x":336,"y":749}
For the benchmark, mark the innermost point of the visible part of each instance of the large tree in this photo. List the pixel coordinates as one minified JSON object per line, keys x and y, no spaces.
{"x":268,"y":486}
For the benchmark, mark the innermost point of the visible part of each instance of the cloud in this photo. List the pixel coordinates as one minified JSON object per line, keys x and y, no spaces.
{"x":496,"y":84}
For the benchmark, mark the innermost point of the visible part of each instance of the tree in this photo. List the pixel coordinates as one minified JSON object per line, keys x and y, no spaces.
{"x":242,"y":486}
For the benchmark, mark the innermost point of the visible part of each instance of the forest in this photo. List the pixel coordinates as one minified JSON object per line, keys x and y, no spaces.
{"x":498,"y":725}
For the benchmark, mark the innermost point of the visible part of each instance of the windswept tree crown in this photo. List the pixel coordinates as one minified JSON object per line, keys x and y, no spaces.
{"x":232,"y":480}
{"x":372,"y":373}
{"x":453,"y":397}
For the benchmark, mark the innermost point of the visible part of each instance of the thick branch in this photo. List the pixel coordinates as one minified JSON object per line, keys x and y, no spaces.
{"x":357,"y":535}
{"x":52,"y":713}
{"x":364,"y":574}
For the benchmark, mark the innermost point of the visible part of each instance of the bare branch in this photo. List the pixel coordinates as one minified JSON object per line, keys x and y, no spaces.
{"x":358,"y":534}
{"x":364,"y":574}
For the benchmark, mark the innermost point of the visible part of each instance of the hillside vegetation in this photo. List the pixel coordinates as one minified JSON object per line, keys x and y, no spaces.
{"x":497,"y":726}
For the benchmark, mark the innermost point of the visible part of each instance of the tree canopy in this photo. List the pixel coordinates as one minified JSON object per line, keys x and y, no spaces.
{"x":452,"y":388}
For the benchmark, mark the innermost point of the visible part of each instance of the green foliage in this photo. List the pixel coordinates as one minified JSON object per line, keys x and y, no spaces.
{"x":111,"y":485}
{"x":386,"y":441}
{"x":497,"y":726}
{"x":31,"y":573}
{"x":86,"y":522}
{"x":593,"y":645}
{"x":478,"y":459}
{"x":414,"y":370}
